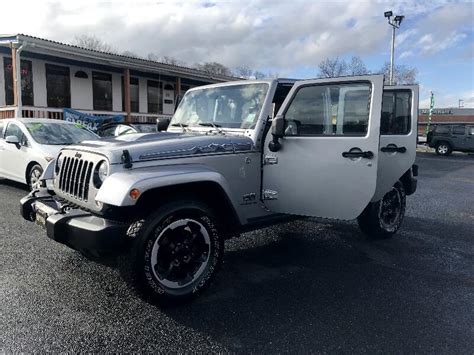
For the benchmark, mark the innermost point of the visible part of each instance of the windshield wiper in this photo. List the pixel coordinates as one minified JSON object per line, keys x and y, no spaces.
{"x":182,"y":125}
{"x":213,"y":125}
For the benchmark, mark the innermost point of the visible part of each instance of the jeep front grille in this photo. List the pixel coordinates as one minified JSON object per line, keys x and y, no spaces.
{"x":75,"y":176}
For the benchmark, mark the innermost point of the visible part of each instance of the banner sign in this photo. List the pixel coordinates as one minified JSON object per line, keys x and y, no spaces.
{"x":91,"y":122}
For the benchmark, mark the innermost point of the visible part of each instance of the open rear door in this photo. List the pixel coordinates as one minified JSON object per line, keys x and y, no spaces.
{"x":327,"y":166}
{"x":398,"y":132}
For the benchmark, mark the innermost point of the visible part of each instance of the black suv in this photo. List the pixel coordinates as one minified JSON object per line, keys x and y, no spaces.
{"x":449,"y":137}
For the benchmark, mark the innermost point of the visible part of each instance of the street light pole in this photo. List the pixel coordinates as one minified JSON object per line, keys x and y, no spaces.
{"x":395,"y":23}
{"x":392,"y":53}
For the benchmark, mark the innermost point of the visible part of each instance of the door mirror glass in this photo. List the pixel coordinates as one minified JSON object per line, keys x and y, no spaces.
{"x":162,"y":124}
{"x":12,"y":140}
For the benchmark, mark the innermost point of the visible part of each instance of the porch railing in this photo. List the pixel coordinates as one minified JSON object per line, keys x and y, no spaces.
{"x":7,"y":112}
{"x":57,"y":113}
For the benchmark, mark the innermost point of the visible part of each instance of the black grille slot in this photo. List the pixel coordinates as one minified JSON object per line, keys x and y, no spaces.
{"x":75,"y":176}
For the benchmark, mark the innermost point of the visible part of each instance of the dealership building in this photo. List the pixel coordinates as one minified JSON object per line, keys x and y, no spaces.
{"x":440,"y":116}
{"x":40,"y":78}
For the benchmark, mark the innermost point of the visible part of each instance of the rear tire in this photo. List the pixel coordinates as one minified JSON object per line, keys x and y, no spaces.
{"x":177,"y":253}
{"x":382,"y":219}
{"x":443,"y":148}
{"x":33,"y":176}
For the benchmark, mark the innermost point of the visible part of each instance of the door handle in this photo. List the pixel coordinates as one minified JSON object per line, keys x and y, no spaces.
{"x":358,"y":154}
{"x":393,"y":149}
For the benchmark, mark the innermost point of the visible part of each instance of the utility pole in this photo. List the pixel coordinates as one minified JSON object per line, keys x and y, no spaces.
{"x":395,"y":23}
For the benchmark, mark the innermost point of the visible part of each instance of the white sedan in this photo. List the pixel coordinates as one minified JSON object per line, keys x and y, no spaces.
{"x":27,"y":145}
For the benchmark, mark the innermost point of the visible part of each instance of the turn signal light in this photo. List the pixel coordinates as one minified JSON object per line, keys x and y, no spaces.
{"x":134,"y":194}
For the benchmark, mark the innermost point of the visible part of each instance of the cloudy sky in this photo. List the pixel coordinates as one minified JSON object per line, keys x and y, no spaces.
{"x":285,"y":37}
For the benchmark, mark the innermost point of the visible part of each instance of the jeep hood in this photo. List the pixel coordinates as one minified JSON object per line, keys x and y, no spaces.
{"x":152,"y":146}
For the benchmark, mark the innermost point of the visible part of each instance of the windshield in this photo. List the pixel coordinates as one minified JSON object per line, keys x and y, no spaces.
{"x":233,"y":106}
{"x":58,"y":133}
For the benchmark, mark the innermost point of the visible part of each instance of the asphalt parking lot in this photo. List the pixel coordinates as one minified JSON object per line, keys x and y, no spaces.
{"x":299,"y":287}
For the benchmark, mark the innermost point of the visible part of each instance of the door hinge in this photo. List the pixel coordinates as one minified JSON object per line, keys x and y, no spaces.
{"x":270,"y":195}
{"x":270,"y":160}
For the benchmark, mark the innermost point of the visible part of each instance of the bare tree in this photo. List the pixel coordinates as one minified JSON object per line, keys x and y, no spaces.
{"x":130,"y":54}
{"x":165,"y":59}
{"x":170,"y":60}
{"x":153,"y":56}
{"x":92,"y":42}
{"x":402,"y":74}
{"x":332,"y":67}
{"x":243,"y":71}
{"x":214,"y":68}
{"x":357,"y":66}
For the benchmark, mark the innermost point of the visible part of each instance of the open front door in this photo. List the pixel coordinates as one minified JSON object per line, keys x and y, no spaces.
{"x":327,"y":164}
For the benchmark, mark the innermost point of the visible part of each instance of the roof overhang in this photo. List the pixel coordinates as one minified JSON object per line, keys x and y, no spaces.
{"x":43,"y":46}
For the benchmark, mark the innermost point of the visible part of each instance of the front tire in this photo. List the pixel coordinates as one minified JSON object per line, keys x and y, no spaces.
{"x":33,"y":176}
{"x":382,"y":219}
{"x":443,"y":148}
{"x":178,"y":252}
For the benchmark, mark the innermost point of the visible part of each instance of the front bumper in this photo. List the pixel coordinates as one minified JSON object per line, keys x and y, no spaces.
{"x":78,"y":229}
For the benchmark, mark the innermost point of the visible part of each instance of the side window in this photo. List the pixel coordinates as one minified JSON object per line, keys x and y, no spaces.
{"x":396,"y":113}
{"x":470,"y":130}
{"x":442,"y":129}
{"x":124,"y":129}
{"x":1,"y":129}
{"x":335,"y":109}
{"x":109,"y":131}
{"x":459,"y":130}
{"x":14,"y":130}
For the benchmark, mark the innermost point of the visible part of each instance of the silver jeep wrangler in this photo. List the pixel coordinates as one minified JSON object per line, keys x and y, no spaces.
{"x":236,"y":156}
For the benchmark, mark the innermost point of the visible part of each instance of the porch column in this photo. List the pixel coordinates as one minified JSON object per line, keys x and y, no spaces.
{"x":126,"y":90}
{"x":15,"y":78}
{"x":177,"y":91}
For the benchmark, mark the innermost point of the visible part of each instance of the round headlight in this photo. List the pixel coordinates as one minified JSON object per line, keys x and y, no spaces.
{"x":103,"y":171}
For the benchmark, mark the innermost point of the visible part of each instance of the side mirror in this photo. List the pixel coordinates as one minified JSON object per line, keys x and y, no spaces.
{"x":278,"y":131}
{"x":13,"y":140}
{"x":162,"y":124}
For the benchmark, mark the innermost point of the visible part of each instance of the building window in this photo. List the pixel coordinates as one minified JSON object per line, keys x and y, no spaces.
{"x":26,"y":82}
{"x":102,"y":91}
{"x":134,"y":95}
{"x":155,"y":99}
{"x":58,"y":86}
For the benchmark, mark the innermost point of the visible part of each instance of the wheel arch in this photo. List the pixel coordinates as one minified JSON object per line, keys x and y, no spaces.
{"x":208,"y":192}
{"x":161,"y":183}
{"x":28,"y":168}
